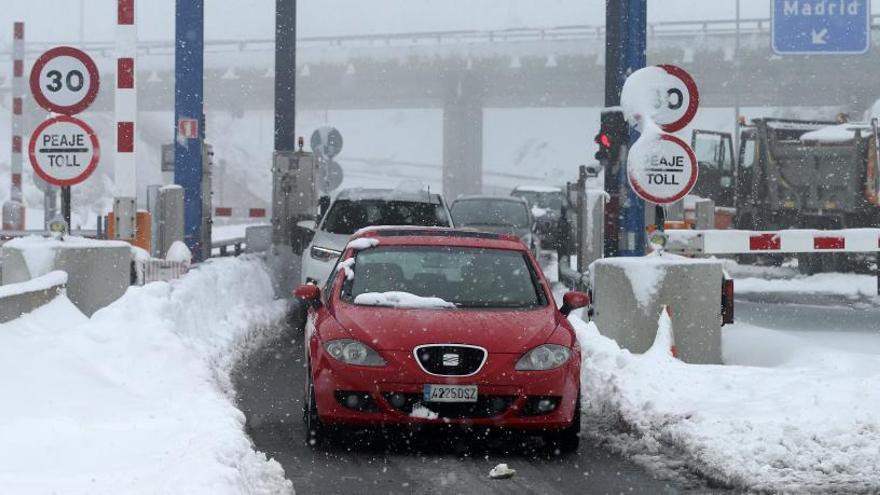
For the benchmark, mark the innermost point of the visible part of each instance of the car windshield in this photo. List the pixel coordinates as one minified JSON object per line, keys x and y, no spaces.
{"x":489,"y":212}
{"x":347,"y":216}
{"x":465,"y":277}
{"x":549,"y":200}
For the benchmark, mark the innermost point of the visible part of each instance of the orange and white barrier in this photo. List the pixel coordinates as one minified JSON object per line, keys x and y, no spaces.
{"x":14,"y":212}
{"x":230,"y":212}
{"x":783,"y":241}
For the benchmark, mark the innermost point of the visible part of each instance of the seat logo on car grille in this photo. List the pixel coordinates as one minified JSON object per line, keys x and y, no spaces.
{"x":451,"y":360}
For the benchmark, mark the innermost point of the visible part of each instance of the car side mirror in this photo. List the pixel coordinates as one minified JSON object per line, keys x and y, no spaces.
{"x":310,"y":294}
{"x":323,"y":206}
{"x":300,"y":237}
{"x":574,"y":300}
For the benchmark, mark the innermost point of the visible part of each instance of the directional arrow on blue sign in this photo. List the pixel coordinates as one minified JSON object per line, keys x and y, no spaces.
{"x":811,"y":27}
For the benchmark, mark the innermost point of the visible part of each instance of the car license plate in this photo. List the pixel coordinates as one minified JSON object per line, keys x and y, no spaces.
{"x":450,"y":393}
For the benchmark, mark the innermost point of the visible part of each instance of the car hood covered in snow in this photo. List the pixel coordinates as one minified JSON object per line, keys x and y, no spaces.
{"x":499,"y":331}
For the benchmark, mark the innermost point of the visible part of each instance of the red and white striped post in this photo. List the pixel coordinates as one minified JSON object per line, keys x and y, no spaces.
{"x":125,"y":200}
{"x":13,"y":211}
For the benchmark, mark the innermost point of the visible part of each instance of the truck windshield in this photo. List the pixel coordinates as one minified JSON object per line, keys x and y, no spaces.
{"x":347,"y":216}
{"x":465,"y":277}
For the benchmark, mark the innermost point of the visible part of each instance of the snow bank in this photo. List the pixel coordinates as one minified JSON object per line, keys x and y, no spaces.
{"x":397,"y":299}
{"x":805,"y":426}
{"x":44,"y":282}
{"x":843,"y":284}
{"x":138,"y":398}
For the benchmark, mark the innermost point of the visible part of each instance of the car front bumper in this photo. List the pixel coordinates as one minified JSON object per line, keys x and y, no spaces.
{"x":505,"y":395}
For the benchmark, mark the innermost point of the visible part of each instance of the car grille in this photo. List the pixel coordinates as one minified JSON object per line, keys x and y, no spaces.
{"x":450,"y":360}
{"x":486,"y":406}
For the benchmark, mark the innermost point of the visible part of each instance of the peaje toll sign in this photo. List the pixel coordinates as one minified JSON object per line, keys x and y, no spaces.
{"x":64,"y":151}
{"x":661,"y":169}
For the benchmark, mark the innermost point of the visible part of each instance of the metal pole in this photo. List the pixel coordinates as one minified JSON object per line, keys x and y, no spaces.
{"x":736,"y":84}
{"x":188,"y":106}
{"x":613,"y":85}
{"x":285,"y":75}
{"x":633,"y":47}
{"x":65,"y":206}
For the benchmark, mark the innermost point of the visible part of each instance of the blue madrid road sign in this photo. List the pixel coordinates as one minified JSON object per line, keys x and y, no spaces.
{"x":809,"y":27}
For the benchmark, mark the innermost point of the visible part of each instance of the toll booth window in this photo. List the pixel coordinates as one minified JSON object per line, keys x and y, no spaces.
{"x":748,"y":152}
{"x":346,"y":216}
{"x":713,"y":151}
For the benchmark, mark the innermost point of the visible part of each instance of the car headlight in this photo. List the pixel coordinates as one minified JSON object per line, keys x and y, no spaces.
{"x":353,"y":352}
{"x":324,"y":254}
{"x":544,"y":357}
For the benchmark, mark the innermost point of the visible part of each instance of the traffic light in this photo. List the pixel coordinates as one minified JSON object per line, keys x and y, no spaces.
{"x":613,"y":135}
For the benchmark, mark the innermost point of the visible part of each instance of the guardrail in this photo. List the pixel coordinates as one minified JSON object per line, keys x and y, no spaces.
{"x":236,"y":243}
{"x":8,"y":235}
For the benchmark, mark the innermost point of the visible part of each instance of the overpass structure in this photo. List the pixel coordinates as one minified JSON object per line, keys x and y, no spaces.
{"x":463,"y":72}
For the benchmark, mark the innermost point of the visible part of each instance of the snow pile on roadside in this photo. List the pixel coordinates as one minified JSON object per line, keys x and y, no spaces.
{"x":802,"y":427}
{"x":137,"y":399}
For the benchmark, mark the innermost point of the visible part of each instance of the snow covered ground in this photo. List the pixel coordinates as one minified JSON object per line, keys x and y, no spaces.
{"x":786,"y":414}
{"x":138,"y":398}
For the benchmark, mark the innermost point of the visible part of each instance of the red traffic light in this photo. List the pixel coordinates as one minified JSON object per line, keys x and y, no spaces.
{"x":604,"y":140}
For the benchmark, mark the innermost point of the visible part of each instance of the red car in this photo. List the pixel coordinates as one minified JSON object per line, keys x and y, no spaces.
{"x":441,"y":326}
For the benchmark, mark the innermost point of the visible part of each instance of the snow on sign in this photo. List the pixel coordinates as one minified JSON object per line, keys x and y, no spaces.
{"x":831,"y":27}
{"x":663,"y":94}
{"x":64,"y":80}
{"x":64,"y":151}
{"x":662,"y":168}
{"x":326,"y":142}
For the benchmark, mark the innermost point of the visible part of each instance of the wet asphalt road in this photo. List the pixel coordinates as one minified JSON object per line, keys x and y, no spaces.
{"x":269,"y":386}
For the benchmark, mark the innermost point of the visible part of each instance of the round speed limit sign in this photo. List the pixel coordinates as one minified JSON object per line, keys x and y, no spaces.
{"x":64,"y":80}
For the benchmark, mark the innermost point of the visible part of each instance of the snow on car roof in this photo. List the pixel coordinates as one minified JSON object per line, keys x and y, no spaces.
{"x":363,"y":194}
{"x":538,"y":188}
{"x":406,"y":235}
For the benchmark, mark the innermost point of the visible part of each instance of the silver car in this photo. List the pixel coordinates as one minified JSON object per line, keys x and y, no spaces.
{"x":354,"y":209}
{"x":499,"y":214}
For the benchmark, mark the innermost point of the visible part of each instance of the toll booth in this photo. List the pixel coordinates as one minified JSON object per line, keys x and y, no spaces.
{"x":207,"y":190}
{"x":294,"y":200}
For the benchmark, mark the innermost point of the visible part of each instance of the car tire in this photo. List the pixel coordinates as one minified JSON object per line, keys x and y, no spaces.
{"x":315,"y":430}
{"x":569,"y":439}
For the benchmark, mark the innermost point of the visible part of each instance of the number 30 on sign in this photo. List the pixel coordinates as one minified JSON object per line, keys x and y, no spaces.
{"x":64,"y":80}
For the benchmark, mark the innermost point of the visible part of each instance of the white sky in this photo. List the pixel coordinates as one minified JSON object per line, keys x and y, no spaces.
{"x":59,"y":20}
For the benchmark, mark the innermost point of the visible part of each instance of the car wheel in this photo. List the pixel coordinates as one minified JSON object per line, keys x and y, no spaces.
{"x":315,"y":430}
{"x":569,"y":439}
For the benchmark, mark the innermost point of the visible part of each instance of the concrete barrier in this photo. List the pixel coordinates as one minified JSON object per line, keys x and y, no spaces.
{"x":23,"y":297}
{"x":629,"y":293}
{"x":99,"y":272}
{"x":258,"y":238}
